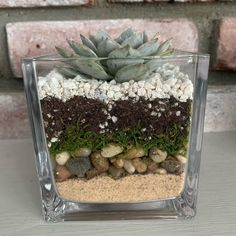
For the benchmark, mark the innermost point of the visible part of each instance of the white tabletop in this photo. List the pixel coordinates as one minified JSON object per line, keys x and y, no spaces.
{"x":20,"y":211}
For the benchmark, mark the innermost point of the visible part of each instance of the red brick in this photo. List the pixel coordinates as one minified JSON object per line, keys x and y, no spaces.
{"x":135,"y":1}
{"x":158,"y":1}
{"x":183,"y":1}
{"x":43,"y":3}
{"x":37,"y":38}
{"x":195,"y":1}
{"x":226,"y":45}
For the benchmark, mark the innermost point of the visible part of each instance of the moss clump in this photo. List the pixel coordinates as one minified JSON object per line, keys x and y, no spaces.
{"x":173,"y":140}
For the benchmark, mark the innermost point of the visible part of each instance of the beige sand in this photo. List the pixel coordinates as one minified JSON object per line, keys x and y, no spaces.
{"x":128,"y":189}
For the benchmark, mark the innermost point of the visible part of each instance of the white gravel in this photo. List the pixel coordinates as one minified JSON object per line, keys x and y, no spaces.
{"x":167,"y":81}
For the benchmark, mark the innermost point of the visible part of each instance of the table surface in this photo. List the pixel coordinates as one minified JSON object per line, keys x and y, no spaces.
{"x":20,"y":210}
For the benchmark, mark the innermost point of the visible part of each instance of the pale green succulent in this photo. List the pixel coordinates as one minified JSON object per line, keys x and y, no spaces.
{"x":123,"y":59}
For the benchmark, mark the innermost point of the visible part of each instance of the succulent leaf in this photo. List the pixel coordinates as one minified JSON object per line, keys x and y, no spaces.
{"x":154,"y":64}
{"x":133,"y":53}
{"x":92,"y":68}
{"x":96,"y":39}
{"x":67,"y":72}
{"x":132,"y":72}
{"x":124,"y":35}
{"x":120,"y":60}
{"x":120,"y":52}
{"x":145,"y":37}
{"x":168,"y":52}
{"x":116,"y":64}
{"x":134,"y":41}
{"x":123,"y":52}
{"x":106,"y":46}
{"x":87,"y":42}
{"x":164,"y":47}
{"x":143,"y":77}
{"x":81,"y":49}
{"x":93,"y":40}
{"x":149,"y":48}
{"x":63,"y":52}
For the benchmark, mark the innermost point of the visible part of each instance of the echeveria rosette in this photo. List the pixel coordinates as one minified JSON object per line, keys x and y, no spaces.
{"x":122,"y":59}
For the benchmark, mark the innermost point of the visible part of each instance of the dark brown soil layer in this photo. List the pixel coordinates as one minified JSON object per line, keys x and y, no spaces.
{"x":153,"y":117}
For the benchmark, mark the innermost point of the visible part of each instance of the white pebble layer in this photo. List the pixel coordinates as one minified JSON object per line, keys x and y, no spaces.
{"x":167,"y":81}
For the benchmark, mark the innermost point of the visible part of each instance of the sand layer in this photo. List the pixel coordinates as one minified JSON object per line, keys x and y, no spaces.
{"x":132,"y":188}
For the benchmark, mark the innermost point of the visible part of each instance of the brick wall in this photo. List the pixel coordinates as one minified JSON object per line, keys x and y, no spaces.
{"x":46,"y":3}
{"x":25,"y":38}
{"x":225,"y":50}
{"x":30,"y":28}
{"x":31,"y":43}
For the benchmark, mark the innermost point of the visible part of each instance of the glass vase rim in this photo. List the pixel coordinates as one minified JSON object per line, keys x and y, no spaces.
{"x":178,"y":56}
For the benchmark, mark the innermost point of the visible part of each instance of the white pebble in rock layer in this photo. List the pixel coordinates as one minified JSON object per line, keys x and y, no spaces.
{"x":62,"y":158}
{"x":111,"y":150}
{"x":128,"y":166}
{"x":167,"y":81}
{"x":181,"y":159}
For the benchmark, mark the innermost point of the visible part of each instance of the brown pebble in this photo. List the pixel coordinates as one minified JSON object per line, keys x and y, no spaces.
{"x":116,"y":173}
{"x":118,"y":163}
{"x":152,"y":166}
{"x":135,"y":153}
{"x":62,"y":173}
{"x":92,"y":173}
{"x":139,"y":165}
{"x":99,"y":162}
{"x":172,"y":166}
{"x":157,"y":155}
{"x":161,"y":171}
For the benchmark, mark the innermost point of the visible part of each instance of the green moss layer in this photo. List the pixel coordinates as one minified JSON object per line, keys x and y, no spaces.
{"x":173,"y":140}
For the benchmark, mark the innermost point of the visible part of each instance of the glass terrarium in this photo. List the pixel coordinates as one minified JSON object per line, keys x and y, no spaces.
{"x":117,"y":127}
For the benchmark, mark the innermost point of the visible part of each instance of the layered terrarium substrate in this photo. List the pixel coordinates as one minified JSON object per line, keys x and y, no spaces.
{"x":118,"y":142}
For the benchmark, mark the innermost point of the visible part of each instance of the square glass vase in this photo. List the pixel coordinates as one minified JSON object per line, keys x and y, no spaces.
{"x":127,"y":146}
